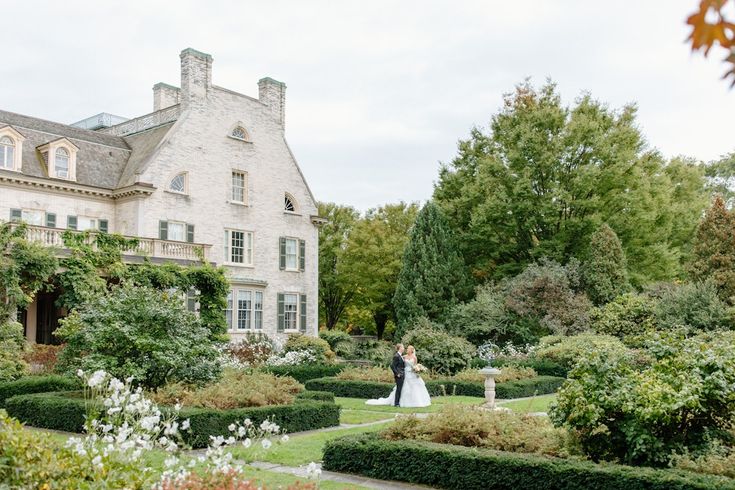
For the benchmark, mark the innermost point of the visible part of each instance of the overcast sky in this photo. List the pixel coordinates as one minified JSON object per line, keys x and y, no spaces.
{"x":378,"y":92}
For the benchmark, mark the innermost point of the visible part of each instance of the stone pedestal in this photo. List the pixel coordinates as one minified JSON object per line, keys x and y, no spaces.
{"x":490,"y":373}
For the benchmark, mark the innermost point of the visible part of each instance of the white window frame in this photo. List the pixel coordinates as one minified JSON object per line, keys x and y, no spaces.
{"x":294,"y":204}
{"x":171,"y":225}
{"x":7,"y":152}
{"x":62,"y":153}
{"x":295,"y":254}
{"x":17,"y":139}
{"x":28,"y":213}
{"x":296,"y":313}
{"x":49,"y":153}
{"x":248,"y":247}
{"x":185,"y":176}
{"x":251,"y":316}
{"x":244,"y":188}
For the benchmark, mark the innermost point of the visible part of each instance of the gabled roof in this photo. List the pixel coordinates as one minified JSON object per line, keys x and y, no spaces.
{"x":143,"y":146}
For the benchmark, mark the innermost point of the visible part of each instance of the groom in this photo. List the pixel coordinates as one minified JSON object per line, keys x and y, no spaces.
{"x":398,"y":366}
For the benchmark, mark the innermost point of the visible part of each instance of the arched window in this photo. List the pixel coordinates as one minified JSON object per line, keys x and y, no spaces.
{"x":239,"y":133}
{"x":61,"y":163}
{"x":178,"y":183}
{"x":7,"y":152}
{"x":289,"y":203}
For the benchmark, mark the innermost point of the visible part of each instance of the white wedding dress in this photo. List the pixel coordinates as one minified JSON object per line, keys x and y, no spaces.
{"x":414,"y":393}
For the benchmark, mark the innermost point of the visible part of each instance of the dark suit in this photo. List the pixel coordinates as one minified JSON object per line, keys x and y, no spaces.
{"x":398,"y":366}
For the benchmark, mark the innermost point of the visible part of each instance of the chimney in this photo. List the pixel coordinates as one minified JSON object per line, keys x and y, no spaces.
{"x":165,"y":95}
{"x":273,"y":94}
{"x":196,"y":76}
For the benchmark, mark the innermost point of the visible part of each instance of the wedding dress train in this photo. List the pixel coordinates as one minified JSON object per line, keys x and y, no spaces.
{"x":414,"y":393}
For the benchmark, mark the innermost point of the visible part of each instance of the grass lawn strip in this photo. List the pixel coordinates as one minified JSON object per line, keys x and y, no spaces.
{"x":534,"y":404}
{"x":352,"y":417}
{"x":436,"y":404}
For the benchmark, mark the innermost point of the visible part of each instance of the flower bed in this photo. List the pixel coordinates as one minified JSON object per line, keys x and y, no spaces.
{"x":36,"y":384}
{"x":304,"y":372}
{"x":447,"y":466}
{"x":66,"y":410}
{"x":539,"y":385}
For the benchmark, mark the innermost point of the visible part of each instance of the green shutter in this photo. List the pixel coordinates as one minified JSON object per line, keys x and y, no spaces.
{"x":50,"y":220}
{"x":282,"y":261}
{"x":16,"y":215}
{"x":302,"y":311}
{"x":163,"y":230}
{"x":302,"y":255}
{"x":71,"y":222}
{"x":281,"y":314}
{"x":104,"y":226}
{"x":190,"y":233}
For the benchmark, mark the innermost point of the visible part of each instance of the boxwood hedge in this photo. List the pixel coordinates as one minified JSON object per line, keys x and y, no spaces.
{"x":539,"y":385}
{"x":324,"y":396}
{"x":445,"y":466}
{"x":66,"y":411}
{"x":304,"y":372}
{"x":37,"y":384}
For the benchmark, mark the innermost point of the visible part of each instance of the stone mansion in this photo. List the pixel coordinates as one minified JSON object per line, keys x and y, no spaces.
{"x":207,"y":172}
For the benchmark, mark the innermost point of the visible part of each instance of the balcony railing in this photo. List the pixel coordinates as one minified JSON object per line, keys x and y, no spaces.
{"x":146,"y":247}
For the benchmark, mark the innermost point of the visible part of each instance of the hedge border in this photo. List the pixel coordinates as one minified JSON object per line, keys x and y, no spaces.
{"x":37,"y":384}
{"x":59,"y":411}
{"x":540,"y":385}
{"x":324,"y":396}
{"x":304,"y":372}
{"x":446,"y":466}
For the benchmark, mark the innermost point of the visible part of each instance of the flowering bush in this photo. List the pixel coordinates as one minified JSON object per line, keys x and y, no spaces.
{"x":319,"y":348}
{"x":293,"y":358}
{"x":251,"y":351}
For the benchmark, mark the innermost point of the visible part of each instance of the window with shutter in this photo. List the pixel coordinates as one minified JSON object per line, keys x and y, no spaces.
{"x":302,"y":255}
{"x":302,"y":314}
{"x":50,"y":220}
{"x":281,"y":313}
{"x":163,"y":230}
{"x":282,"y":251}
{"x":104,"y":226}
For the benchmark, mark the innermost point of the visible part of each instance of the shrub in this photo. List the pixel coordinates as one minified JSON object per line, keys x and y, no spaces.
{"x":683,"y":401}
{"x":140,"y":332}
{"x":339,"y":341}
{"x":696,"y":305}
{"x":540,"y":385}
{"x":378,"y":374}
{"x":317,"y":347}
{"x":464,"y":425}
{"x":605,"y":270}
{"x":543,"y":367}
{"x":36,"y":384}
{"x":324,"y":396}
{"x":56,"y":410}
{"x":12,"y":345}
{"x":377,"y":351}
{"x":438,"y":350}
{"x":627,"y":315}
{"x":447,"y":466}
{"x":293,"y":358}
{"x":252,"y":350}
{"x":350,"y":388}
{"x":304,"y":372}
{"x":236,"y":389}
{"x":42,"y":358}
{"x":566,"y":351}
{"x":508,"y":373}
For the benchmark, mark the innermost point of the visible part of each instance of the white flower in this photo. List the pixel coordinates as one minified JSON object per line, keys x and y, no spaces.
{"x":97,"y":461}
{"x":266,"y":443}
{"x":80,"y":373}
{"x":313,"y":470}
{"x":284,"y":438}
{"x":232,"y":427}
{"x":177,"y":407}
{"x":185,"y":424}
{"x":247,"y":443}
{"x":97,"y":378}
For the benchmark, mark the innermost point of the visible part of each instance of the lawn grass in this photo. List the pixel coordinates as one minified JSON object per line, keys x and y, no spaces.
{"x":536,"y":404}
{"x":362,"y":416}
{"x":271,"y":479}
{"x":299,"y":450}
{"x":436,"y":404}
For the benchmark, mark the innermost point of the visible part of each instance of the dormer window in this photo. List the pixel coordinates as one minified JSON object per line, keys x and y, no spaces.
{"x":7,"y":153}
{"x":179,"y":183}
{"x":289,"y":204}
{"x":60,"y":158}
{"x":61,"y":163}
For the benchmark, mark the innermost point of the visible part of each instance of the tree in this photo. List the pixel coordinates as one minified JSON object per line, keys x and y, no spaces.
{"x":710,"y":27}
{"x":372,"y":260}
{"x":604,"y":272}
{"x":714,"y":249}
{"x":433,"y":276}
{"x":335,"y":290}
{"x":546,"y":176}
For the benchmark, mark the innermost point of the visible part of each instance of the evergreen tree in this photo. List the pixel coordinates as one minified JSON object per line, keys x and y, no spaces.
{"x":605,"y":271}
{"x":714,"y":249}
{"x":433,"y":276}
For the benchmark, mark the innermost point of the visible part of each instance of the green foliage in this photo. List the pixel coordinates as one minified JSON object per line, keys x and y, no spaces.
{"x":139,"y":332}
{"x":543,"y":367}
{"x":25,"y":268}
{"x":37,"y":384}
{"x":448,"y":466}
{"x":339,"y":341}
{"x":605,"y":270}
{"x":545,"y":176}
{"x":438,"y":350}
{"x":56,"y":410}
{"x":566,"y":351}
{"x":540,"y":385}
{"x":372,"y":259}
{"x":696,"y":305}
{"x":682,"y":401}
{"x":304,"y":372}
{"x":324,"y":396}
{"x":713,"y":257}
{"x":379,"y":352}
{"x":433,"y":276}
{"x":335,"y":289}
{"x":627,"y":315}
{"x":318,"y":347}
{"x":12,"y":348}
{"x":350,"y":388}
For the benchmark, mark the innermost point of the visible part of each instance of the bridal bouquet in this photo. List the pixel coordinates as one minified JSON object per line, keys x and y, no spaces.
{"x":419,"y":368}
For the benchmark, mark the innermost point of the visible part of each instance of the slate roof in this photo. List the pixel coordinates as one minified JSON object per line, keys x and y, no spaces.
{"x":103,"y":160}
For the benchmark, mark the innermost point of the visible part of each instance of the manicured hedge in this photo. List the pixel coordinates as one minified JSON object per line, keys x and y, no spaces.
{"x":61,"y":411}
{"x":324,"y":396}
{"x":37,"y":384}
{"x":445,"y":466}
{"x":304,"y":372}
{"x":543,"y":367}
{"x":539,"y":385}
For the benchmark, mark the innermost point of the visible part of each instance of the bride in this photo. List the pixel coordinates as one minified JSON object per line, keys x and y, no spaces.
{"x":414,"y":393}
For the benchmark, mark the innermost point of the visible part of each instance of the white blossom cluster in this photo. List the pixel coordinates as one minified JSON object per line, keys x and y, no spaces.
{"x":292,"y":358}
{"x":489,"y":351}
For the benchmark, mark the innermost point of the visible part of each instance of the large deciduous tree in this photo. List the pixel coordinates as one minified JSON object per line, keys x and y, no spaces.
{"x":373,"y":258}
{"x":545,"y":177}
{"x":604,"y":273}
{"x":335,"y":288}
{"x":714,"y":249}
{"x":433,"y":276}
